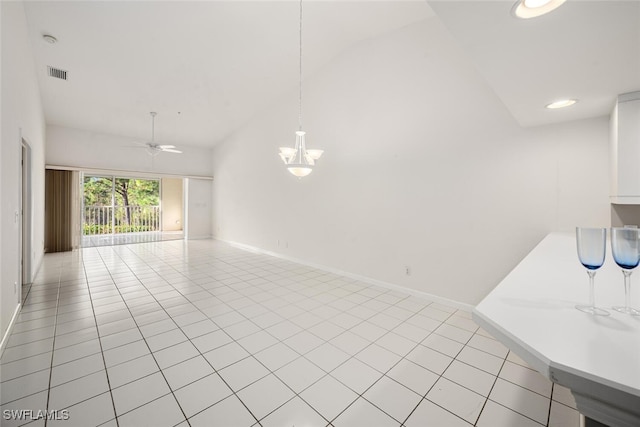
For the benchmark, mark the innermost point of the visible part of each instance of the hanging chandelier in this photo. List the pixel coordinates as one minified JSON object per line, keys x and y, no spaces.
{"x":298,"y":159}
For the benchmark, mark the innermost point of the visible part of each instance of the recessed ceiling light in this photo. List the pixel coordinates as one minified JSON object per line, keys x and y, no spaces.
{"x":561,"y":104}
{"x":526,"y":9}
{"x":532,"y":4}
{"x":49,"y":39}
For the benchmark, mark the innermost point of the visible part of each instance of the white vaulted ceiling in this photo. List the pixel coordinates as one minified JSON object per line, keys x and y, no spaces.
{"x":208,"y":67}
{"x":218,"y":63}
{"x":585,"y":49}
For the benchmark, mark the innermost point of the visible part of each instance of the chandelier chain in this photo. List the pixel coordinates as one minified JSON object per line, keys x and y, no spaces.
{"x":299,"y":160}
{"x":300,"y":74}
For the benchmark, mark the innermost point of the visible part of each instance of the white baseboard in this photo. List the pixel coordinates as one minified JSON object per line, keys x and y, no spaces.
{"x":7,"y":333}
{"x":435,"y":298}
{"x":198,"y":237}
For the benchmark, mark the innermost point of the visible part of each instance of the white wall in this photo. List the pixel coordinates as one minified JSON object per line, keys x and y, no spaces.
{"x":423,"y":167}
{"x":84,"y":149}
{"x":22,"y":117}
{"x":198,"y":209}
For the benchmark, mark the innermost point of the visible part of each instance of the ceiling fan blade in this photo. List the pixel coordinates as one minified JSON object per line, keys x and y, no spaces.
{"x":166,"y":146}
{"x":139,"y":144}
{"x":171,"y":150}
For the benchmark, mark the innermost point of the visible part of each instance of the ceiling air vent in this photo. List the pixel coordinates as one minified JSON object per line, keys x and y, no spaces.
{"x":56,"y":72}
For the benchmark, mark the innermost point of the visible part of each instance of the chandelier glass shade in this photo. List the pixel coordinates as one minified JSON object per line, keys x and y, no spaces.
{"x":298,"y":159}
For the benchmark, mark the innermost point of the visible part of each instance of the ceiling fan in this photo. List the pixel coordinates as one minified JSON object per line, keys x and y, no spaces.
{"x":154,"y":149}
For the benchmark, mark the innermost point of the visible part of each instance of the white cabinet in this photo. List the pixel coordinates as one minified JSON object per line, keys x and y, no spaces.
{"x":625,"y":150}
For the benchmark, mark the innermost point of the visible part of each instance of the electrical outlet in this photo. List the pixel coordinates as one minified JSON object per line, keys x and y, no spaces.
{"x":407,"y":270}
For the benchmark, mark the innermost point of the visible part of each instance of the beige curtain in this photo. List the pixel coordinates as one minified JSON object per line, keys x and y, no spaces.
{"x":76,"y":203}
{"x":62,"y":210}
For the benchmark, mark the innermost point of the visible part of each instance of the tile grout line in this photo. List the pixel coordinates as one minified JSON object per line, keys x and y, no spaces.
{"x":441,"y":322}
{"x":497,"y":376}
{"x":53,"y":346}
{"x":104,"y":362}
{"x":200,"y":353}
{"x":327,"y":341}
{"x":553,"y":386}
{"x":146,"y":343}
{"x":495,"y":380}
{"x":424,"y":397}
{"x":361,"y":395}
{"x":244,"y":295}
{"x":384,"y":374}
{"x":250,"y":353}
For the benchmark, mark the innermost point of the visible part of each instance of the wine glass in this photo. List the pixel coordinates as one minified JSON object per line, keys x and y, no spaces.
{"x":592,"y":245}
{"x":626,"y":253}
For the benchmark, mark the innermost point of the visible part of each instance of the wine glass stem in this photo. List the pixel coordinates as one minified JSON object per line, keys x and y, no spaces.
{"x":592,"y":301}
{"x":627,"y":288}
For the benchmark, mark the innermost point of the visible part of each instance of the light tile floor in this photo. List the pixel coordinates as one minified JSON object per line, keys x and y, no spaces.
{"x":203,"y":334}
{"x":127,"y":238}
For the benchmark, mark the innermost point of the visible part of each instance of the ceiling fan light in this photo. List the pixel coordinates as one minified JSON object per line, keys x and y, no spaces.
{"x":49,"y":39}
{"x":563,"y":103}
{"x":153,"y":151}
{"x":532,"y":4}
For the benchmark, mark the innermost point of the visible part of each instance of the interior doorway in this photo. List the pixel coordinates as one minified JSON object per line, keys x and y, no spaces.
{"x":25,"y":215}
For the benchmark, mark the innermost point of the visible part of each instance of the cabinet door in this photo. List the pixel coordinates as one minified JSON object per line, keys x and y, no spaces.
{"x":625,"y":152}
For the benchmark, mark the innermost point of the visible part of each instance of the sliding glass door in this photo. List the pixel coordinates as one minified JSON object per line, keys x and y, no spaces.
{"x":115,"y":205}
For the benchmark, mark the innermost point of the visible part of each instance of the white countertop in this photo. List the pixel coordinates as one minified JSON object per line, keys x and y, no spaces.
{"x":532,"y":311}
